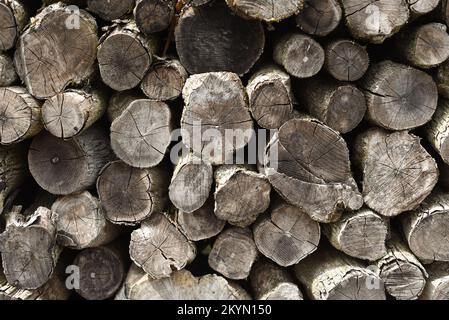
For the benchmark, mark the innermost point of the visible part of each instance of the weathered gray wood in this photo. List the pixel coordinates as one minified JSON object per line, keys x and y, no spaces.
{"x":129,"y":195}
{"x":54,"y":52}
{"x":393,"y":164}
{"x":319,"y":17}
{"x":437,"y":129}
{"x":233,"y":253}
{"x":13,"y":18}
{"x":422,"y":7}
{"x":153,"y":16}
{"x":212,"y":38}
{"x":308,"y":165}
{"x":399,"y":97}
{"x":67,"y":166}
{"x":20,"y":115}
{"x":111,"y":9}
{"x":159,"y":248}
{"x":361,"y":234}
{"x":67,"y":114}
{"x":444,"y":9}
{"x":8,"y":73}
{"x":286,"y":235}
{"x":119,"y":101}
{"x":215,"y":105}
{"x":437,"y":286}
{"x":299,"y":54}
{"x":266,"y":10}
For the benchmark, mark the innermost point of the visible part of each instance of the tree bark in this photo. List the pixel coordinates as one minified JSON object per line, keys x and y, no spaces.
{"x":110,"y":10}
{"x":13,"y":18}
{"x":437,"y":286}
{"x":399,"y":97}
{"x":65,"y":167}
{"x":437,"y":130}
{"x":153,"y":16}
{"x":129,"y":195}
{"x":8,"y":75}
{"x":268,"y":11}
{"x":319,"y":17}
{"x":393,"y":164}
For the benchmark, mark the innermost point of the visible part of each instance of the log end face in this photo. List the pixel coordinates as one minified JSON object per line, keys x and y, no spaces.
{"x":403,"y":281}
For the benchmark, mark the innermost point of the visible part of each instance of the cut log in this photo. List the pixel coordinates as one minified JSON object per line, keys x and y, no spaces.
{"x":393,"y":164}
{"x":119,"y":101}
{"x":330,"y":275}
{"x":153,"y":16}
{"x":67,"y":114}
{"x":403,"y":275}
{"x":266,"y":10}
{"x":270,"y":96}
{"x":339,"y":105}
{"x":437,"y":130}
{"x":240,"y":195}
{"x":233,"y":253}
{"x":129,"y":195}
{"x":211,"y":38}
{"x":375,"y":21}
{"x":54,"y":51}
{"x":159,"y":248}
{"x":445,"y":11}
{"x":422,"y":7}
{"x":81,"y":222}
{"x":270,"y":282}
{"x":426,"y":228}
{"x":215,"y":107}
{"x":110,"y":10}
{"x":346,"y":60}
{"x":164,"y":81}
{"x":319,"y":17}
{"x":299,"y":54}
{"x":399,"y":97}
{"x":28,"y":248}
{"x":442,"y":79}
{"x":20,"y":115}
{"x":308,"y":165}
{"x":124,"y":57}
{"x":191,"y":183}
{"x":437,"y":286}
{"x":286,"y":235}
{"x":360,"y":234}
{"x":8,"y":73}
{"x":13,"y":18}
{"x":425,"y":46}
{"x":65,"y":167}
{"x":140,"y":136}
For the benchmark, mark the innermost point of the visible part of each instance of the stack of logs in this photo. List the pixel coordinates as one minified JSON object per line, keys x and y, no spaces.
{"x":348,"y":198}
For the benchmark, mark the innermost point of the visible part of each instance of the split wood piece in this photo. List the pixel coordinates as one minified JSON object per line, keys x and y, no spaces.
{"x":437,"y":287}
{"x":101,"y":270}
{"x":20,"y":115}
{"x":393,"y":164}
{"x":227,"y":42}
{"x":375,"y":21}
{"x":13,"y":18}
{"x":81,"y":222}
{"x":28,"y":248}
{"x":287,"y":235}
{"x":191,"y":183}
{"x":319,"y":17}
{"x":270,"y":282}
{"x":164,"y":81}
{"x":399,"y":97}
{"x":233,"y":253}
{"x":422,"y":7}
{"x":331,"y":275}
{"x":129,"y":195}
{"x":159,"y":248}
{"x":140,"y":136}
{"x":119,"y":101}
{"x":266,"y":10}
{"x":67,"y":114}
{"x":341,"y":106}
{"x":308,"y":165}
{"x":360,"y":234}
{"x":153,"y":16}
{"x":110,"y":10}
{"x":299,"y":54}
{"x":346,"y":60}
{"x":403,"y":275}
{"x":65,"y":167}
{"x":240,"y":195}
{"x":124,"y":56}
{"x":270,"y":96}
{"x":426,"y":229}
{"x":215,"y":106}
{"x":200,"y":224}
{"x":437,"y":129}
{"x":8,"y":73}
{"x":54,"y":51}
{"x":425,"y":46}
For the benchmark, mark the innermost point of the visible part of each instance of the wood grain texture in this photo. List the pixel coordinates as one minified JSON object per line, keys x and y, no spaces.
{"x":13,"y":18}
{"x":266,"y":10}
{"x":111,"y":9}
{"x":153,"y":16}
{"x":8,"y":75}
{"x":319,"y":17}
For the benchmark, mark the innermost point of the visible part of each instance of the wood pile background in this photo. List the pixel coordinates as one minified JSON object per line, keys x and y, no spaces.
{"x":349,"y":199}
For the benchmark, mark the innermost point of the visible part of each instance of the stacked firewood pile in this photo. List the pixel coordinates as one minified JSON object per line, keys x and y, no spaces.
{"x":224,"y":149}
